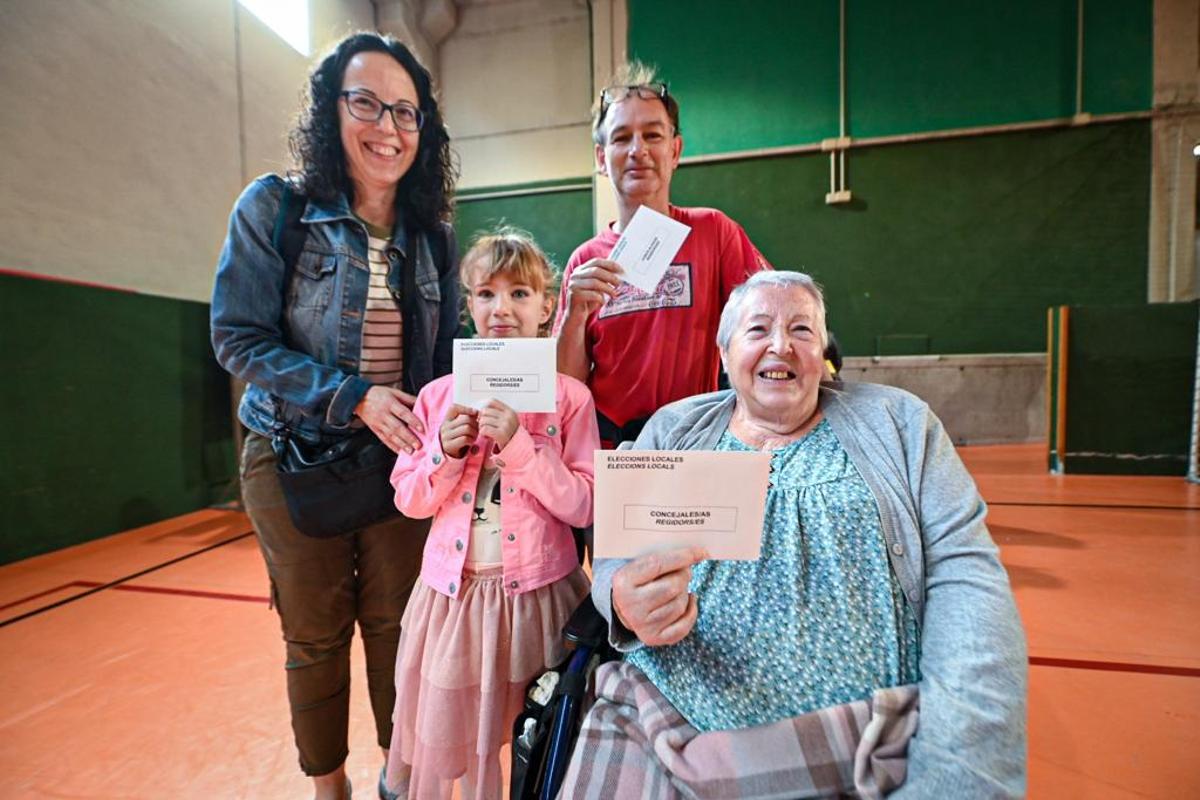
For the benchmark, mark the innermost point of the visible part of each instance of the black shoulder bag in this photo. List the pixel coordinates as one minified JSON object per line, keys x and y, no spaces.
{"x":342,"y":487}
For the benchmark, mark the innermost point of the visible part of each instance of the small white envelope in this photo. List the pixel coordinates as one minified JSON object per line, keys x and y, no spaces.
{"x":518,"y":372}
{"x":646,"y":247}
{"x":652,"y":500}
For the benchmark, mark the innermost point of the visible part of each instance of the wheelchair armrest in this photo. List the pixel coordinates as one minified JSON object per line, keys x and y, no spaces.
{"x":586,"y":626}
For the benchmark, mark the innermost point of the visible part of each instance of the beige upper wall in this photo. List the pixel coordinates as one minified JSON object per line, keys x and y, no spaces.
{"x":274,"y":76}
{"x":121,"y":151}
{"x":515,"y":79}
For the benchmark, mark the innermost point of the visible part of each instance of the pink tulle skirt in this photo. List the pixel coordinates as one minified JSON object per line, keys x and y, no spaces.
{"x":461,"y":672}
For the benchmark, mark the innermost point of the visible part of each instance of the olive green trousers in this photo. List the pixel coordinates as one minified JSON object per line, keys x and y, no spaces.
{"x":320,"y":588}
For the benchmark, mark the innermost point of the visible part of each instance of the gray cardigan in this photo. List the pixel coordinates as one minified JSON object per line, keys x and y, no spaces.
{"x":971,"y":739}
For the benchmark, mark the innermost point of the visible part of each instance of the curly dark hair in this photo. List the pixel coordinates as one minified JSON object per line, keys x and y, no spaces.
{"x":425,"y":194}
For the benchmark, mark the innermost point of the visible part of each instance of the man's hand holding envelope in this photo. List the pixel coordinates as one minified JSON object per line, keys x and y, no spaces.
{"x":640,"y":258}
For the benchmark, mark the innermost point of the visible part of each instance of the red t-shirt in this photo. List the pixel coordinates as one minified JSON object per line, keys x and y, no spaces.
{"x":649,"y":350}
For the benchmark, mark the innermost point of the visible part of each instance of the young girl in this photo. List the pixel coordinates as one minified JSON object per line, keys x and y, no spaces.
{"x":500,"y":575}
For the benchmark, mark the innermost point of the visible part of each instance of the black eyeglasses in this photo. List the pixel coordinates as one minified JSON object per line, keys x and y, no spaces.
{"x":646,"y":91}
{"x":369,"y":108}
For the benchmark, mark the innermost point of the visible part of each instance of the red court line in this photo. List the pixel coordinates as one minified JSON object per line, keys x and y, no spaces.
{"x":39,"y":594}
{"x":1114,"y":666}
{"x":245,"y":598}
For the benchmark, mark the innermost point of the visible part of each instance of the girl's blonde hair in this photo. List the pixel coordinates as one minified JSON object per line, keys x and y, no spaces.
{"x":512,"y":251}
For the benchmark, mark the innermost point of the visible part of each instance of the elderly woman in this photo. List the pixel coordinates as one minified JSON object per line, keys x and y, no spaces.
{"x":878,"y":592}
{"x":337,"y":336}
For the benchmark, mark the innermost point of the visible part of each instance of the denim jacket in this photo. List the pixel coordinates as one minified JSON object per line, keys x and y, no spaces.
{"x":298,"y":346}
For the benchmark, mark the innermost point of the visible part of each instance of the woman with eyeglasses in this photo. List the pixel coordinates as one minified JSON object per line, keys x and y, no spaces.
{"x":336,"y":300}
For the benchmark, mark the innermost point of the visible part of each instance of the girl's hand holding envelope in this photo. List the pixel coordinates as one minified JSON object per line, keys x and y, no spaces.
{"x":460,"y":429}
{"x":498,"y":422}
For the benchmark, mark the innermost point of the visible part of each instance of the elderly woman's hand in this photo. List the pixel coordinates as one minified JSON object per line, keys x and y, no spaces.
{"x":388,"y":412}
{"x":650,"y":595}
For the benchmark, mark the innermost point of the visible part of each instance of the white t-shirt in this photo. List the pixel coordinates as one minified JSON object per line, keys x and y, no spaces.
{"x":484,"y":548}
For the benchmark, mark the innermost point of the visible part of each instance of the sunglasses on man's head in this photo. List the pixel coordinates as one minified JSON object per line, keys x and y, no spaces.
{"x":646,"y":91}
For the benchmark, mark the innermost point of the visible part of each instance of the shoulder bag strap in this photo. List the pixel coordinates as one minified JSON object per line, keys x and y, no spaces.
{"x":287,"y":238}
{"x":289,"y":234}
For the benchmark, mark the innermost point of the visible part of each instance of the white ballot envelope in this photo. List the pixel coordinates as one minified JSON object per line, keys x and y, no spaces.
{"x":646,"y":247}
{"x":651,"y":500}
{"x":518,"y":372}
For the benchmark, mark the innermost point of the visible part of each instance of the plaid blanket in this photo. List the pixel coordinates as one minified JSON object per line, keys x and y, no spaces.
{"x":634,"y":744}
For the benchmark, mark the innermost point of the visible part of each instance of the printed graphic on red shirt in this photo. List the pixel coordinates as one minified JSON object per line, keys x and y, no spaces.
{"x":673,"y":291}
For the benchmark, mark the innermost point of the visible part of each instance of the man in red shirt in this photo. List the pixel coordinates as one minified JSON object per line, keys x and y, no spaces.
{"x":637,"y":351}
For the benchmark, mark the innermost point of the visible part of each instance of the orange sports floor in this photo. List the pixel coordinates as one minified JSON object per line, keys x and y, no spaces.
{"x":148,"y":665}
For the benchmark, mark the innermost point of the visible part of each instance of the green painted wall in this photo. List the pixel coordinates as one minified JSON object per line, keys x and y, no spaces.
{"x":1118,"y":56}
{"x":117,"y":414}
{"x":758,"y":74}
{"x":946,"y":64}
{"x":929,"y":65}
{"x":1130,"y":378}
{"x":954,"y":246}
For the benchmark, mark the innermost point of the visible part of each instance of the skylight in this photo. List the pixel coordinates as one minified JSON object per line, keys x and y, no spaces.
{"x":288,"y":18}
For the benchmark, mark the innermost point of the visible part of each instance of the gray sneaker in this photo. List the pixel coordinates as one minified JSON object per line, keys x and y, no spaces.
{"x":384,"y":794}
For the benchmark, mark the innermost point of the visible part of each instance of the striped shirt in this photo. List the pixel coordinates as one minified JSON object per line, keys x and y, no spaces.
{"x":382,"y":341}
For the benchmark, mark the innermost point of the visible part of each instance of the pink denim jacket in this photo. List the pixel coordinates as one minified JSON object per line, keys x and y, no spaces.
{"x":546,"y":475}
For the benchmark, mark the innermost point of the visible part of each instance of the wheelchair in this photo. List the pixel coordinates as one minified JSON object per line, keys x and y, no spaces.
{"x":544,"y":733}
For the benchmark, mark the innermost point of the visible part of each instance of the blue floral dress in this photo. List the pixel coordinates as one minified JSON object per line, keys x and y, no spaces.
{"x":817,"y":621}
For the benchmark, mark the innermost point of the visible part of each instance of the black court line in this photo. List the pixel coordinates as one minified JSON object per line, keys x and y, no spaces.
{"x":125,"y":579}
